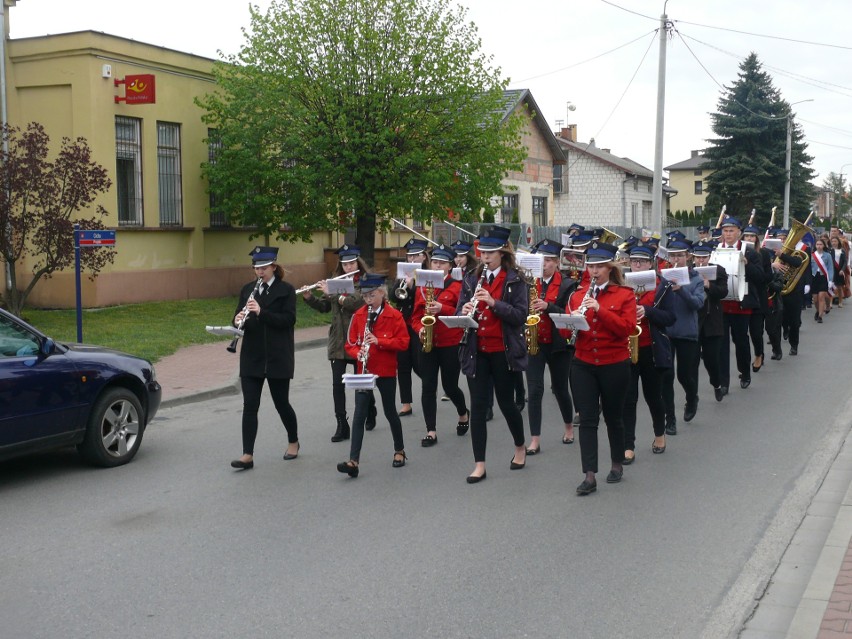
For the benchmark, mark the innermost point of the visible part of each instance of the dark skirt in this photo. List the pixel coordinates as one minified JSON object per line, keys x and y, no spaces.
{"x":819,"y":284}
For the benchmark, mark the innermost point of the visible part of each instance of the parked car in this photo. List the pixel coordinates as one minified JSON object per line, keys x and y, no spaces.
{"x":54,"y":394}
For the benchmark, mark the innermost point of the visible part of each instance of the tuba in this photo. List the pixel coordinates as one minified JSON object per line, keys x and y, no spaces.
{"x":428,"y":321}
{"x":533,"y":320}
{"x":789,"y":276}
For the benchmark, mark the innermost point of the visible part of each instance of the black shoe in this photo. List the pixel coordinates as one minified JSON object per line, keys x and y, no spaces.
{"x":288,"y":456}
{"x":489,"y":415}
{"x":370,"y":424}
{"x":724,"y":390}
{"x":534,"y":451}
{"x":785,"y":333}
{"x":671,"y":426}
{"x":241,"y":465}
{"x":399,"y":463}
{"x":718,"y":393}
{"x":816,"y":315}
{"x":794,"y":350}
{"x":754,"y":368}
{"x":461,"y":427}
{"x":819,"y":320}
{"x":576,"y":420}
{"x":658,"y":450}
{"x":428,"y":441}
{"x":745,"y":382}
{"x":516,"y":466}
{"x":406,"y":413}
{"x":629,"y":460}
{"x":690,"y":410}
{"x":342,"y":431}
{"x":587,"y":487}
{"x":777,"y":355}
{"x":345,"y":467}
{"x":474,"y":479}
{"x":614,"y":476}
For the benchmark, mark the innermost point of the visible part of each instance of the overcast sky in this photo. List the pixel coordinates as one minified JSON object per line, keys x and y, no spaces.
{"x":543,"y":45}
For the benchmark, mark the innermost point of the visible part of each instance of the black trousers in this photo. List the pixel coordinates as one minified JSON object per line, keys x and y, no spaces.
{"x":446,"y":361}
{"x":407,"y":361}
{"x":736,"y":328}
{"x":710,"y":353}
{"x":791,"y":316}
{"x":651,"y":377}
{"x":773,"y":324}
{"x":280,"y":391}
{"x":685,"y":353}
{"x":363,"y":399}
{"x":520,"y":391}
{"x":595,"y":388}
{"x":492,"y":371}
{"x":755,"y":331}
{"x":558,"y":362}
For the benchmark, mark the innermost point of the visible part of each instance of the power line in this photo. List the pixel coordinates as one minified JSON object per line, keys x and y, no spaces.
{"x":825,"y":126}
{"x":576,"y":64}
{"x":763,"y":35}
{"x":612,"y":4}
{"x":836,"y":146}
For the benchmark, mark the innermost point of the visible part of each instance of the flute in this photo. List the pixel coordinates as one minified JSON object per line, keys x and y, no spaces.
{"x":311,"y":287}
{"x":232,"y":347}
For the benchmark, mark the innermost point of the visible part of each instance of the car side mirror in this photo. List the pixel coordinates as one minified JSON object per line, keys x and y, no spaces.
{"x":48,"y":347}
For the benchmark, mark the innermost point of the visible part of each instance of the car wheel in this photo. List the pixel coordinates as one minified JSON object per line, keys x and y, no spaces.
{"x":114,"y":431}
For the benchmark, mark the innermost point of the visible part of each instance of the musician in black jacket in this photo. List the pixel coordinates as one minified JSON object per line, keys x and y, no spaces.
{"x":758,"y":318}
{"x":554,"y":289}
{"x":710,"y":320}
{"x":791,"y":318}
{"x":409,"y":359}
{"x":268,"y":306}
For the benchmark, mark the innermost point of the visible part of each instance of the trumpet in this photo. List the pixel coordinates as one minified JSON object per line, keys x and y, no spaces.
{"x":311,"y":287}
{"x":232,"y":347}
{"x":473,"y":311}
{"x":401,"y":292}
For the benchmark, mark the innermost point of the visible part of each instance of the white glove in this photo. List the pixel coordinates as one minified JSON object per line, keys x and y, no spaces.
{"x":807,"y":288}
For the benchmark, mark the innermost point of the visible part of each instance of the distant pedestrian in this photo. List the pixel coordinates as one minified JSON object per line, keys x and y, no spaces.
{"x":267,"y":311}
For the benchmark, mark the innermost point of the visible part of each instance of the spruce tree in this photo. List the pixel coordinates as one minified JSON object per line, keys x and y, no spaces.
{"x":748,"y":156}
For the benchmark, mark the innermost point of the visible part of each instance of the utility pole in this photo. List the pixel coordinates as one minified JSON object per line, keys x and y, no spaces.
{"x":657,"y":199}
{"x":787,"y":163}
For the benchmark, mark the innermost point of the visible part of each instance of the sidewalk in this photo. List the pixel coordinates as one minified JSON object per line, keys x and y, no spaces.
{"x":198,"y":373}
{"x":809,"y":595}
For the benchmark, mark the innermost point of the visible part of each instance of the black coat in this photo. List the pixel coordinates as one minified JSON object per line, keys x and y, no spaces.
{"x":661,"y":314}
{"x":268,"y":349}
{"x":710,"y":320}
{"x":566,"y":288}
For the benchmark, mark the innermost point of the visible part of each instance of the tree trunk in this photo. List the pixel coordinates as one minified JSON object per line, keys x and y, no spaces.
{"x":365,"y":235}
{"x":14,"y":303}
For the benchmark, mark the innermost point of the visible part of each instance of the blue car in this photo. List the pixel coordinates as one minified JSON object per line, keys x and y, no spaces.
{"x":54,"y":395}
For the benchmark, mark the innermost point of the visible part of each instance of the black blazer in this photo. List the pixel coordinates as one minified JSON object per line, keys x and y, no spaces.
{"x":566,"y":288}
{"x":268,"y":345}
{"x":710,"y":320}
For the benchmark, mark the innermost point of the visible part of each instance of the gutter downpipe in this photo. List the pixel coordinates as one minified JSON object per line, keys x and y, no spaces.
{"x":3,"y":110}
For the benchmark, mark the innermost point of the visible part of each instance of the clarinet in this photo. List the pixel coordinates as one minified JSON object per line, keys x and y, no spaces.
{"x":232,"y":347}
{"x":588,"y":294}
{"x":364,"y":355}
{"x":473,"y":311}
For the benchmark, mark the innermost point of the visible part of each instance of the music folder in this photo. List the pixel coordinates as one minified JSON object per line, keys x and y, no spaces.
{"x":678,"y":275}
{"x":458,"y":321}
{"x":423,"y":277}
{"x":360,"y":381}
{"x":646,"y":280}
{"x":707,"y":271}
{"x":341,"y":287}
{"x":406,"y":269}
{"x":569,"y":321}
{"x":230,"y":331}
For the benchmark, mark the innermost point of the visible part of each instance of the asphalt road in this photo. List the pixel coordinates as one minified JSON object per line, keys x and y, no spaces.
{"x":177,"y":544}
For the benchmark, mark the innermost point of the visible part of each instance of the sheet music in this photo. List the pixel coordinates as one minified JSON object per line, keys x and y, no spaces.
{"x":662,"y":253}
{"x":422,"y":277}
{"x":641,"y":279}
{"x":230,"y":331}
{"x":406,"y":269}
{"x":772,"y":243}
{"x":566,"y":239}
{"x":707,"y":272}
{"x":458,"y":321}
{"x":341,"y":287}
{"x":457,"y":273}
{"x":532,"y":262}
{"x":678,"y":275}
{"x":568,"y":321}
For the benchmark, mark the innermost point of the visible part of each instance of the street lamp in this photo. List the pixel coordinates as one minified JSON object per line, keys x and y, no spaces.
{"x":787,"y":163}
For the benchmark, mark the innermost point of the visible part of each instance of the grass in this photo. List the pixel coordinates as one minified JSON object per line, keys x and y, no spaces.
{"x":152,"y":330}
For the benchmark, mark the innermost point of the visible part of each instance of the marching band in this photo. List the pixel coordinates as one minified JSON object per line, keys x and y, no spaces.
{"x":493,"y":321}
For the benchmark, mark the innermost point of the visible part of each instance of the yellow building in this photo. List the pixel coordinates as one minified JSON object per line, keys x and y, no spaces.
{"x":689,"y":178}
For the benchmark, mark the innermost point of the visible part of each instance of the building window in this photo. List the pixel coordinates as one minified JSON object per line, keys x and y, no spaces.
{"x":650,"y":187}
{"x":417,"y":225}
{"x":128,"y":170}
{"x":698,"y":187}
{"x":539,"y":211}
{"x":698,"y":211}
{"x":697,"y":172}
{"x":509,"y":211}
{"x":168,"y":167}
{"x":634,"y":215}
{"x":218,"y":218}
{"x":557,"y":178}
{"x":635,"y":184}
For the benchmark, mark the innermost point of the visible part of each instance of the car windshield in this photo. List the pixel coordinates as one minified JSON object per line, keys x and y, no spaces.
{"x":15,"y":341}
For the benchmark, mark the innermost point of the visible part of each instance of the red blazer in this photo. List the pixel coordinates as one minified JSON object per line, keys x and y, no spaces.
{"x":606,"y":340}
{"x":392,"y":334}
{"x":442,"y":335}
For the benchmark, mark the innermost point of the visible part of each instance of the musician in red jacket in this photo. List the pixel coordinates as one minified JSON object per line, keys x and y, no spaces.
{"x":376,"y":334}
{"x":600,"y":372}
{"x":444,"y":355}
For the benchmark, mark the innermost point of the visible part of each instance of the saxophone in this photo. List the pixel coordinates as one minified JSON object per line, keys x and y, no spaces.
{"x":533,"y":319}
{"x":588,"y":294}
{"x":633,"y":338}
{"x":428,"y":321}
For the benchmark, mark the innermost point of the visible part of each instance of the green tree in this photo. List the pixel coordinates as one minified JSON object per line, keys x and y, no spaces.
{"x":748,"y":156}
{"x":836,"y":184}
{"x":342,"y":112}
{"x":41,"y":202}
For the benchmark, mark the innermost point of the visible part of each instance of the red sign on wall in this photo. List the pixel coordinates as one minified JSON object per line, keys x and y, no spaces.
{"x":138,"y":89}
